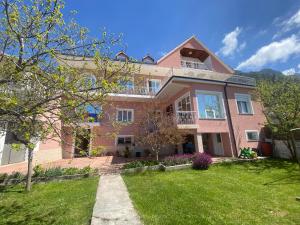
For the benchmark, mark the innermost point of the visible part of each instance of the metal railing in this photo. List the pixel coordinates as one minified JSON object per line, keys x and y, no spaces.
{"x":242,"y":80}
{"x":185,"y":117}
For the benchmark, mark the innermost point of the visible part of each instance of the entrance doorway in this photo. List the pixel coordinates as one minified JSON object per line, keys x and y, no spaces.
{"x":188,"y":147}
{"x":217,"y":144}
{"x":82,"y":143}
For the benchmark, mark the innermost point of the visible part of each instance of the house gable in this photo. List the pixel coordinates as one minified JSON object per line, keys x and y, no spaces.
{"x":197,"y":48}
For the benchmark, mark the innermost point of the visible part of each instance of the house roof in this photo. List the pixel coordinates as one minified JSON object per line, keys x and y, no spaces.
{"x":204,"y":47}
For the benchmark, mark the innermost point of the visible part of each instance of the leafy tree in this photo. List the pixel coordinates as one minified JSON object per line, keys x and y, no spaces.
{"x":42,"y":93}
{"x":157,"y":130}
{"x":281,"y":102}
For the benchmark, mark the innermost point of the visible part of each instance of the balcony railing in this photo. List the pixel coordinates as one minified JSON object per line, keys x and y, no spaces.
{"x":194,"y":65}
{"x":185,"y":117}
{"x":242,"y":80}
{"x":136,"y":90}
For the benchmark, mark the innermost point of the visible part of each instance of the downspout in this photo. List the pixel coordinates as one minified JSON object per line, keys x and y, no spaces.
{"x":231,"y":130}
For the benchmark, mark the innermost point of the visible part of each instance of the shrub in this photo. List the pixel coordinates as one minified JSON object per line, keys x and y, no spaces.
{"x":201,"y":161}
{"x":16,"y":175}
{"x":53,"y":172}
{"x":38,"y":171}
{"x":178,"y":159}
{"x":3,"y":176}
{"x":71,"y":171}
{"x":97,"y":151}
{"x":136,"y":164}
{"x":85,"y":170}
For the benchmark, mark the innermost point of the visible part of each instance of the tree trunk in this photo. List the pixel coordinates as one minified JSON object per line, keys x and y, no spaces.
{"x":29,"y":169}
{"x":156,"y":156}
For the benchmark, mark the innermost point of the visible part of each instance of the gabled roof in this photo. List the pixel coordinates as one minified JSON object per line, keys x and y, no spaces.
{"x":204,"y":47}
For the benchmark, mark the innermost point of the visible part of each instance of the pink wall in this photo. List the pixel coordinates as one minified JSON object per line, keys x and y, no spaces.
{"x":174,"y":59}
{"x":105,"y":134}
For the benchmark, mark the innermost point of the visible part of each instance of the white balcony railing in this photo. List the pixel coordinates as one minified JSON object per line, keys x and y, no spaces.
{"x":194,"y":65}
{"x":185,"y":117}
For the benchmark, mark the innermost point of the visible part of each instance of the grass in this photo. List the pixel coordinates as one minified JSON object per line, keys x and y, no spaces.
{"x":261,"y":192}
{"x":61,"y":203}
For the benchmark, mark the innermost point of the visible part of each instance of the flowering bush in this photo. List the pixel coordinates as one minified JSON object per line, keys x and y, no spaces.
{"x":201,"y":161}
{"x":178,"y":159}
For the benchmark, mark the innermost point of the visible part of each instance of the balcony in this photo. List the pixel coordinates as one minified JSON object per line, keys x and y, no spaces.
{"x":236,"y":79}
{"x":186,"y":119}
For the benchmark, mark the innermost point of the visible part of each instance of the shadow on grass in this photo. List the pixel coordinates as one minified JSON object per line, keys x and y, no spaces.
{"x":292,"y":169}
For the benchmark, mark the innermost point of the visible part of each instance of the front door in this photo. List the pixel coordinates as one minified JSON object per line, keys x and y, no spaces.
{"x":217,"y":144}
{"x":188,"y":146}
{"x":82,"y":143}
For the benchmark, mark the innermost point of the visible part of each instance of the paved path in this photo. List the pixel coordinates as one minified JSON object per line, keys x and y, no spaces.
{"x":113,"y":205}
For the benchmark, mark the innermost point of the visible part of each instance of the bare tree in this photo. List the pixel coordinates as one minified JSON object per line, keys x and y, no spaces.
{"x":157,"y":130}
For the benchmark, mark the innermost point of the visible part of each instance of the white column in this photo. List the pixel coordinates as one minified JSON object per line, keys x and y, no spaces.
{"x":2,"y":142}
{"x":199,"y":142}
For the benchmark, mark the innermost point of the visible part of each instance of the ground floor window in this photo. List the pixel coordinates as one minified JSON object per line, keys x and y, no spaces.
{"x":124,"y":140}
{"x":252,"y":135}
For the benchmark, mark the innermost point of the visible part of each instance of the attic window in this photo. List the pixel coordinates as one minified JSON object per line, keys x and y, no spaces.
{"x":121,"y":56}
{"x":148,"y":59}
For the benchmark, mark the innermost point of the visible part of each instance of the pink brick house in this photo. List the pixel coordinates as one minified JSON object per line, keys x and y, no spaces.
{"x":213,"y":106}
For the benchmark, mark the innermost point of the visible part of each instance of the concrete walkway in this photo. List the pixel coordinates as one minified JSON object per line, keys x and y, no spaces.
{"x":113,"y":205}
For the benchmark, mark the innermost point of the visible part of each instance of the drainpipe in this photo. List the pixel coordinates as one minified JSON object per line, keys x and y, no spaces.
{"x":231,"y":130}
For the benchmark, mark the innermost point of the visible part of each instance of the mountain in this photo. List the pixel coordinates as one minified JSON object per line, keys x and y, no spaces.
{"x":267,"y":74}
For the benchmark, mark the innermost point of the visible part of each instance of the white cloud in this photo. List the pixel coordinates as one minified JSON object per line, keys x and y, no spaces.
{"x":277,"y":51}
{"x":289,"y":72}
{"x":298,"y":66}
{"x":287,"y":24}
{"x":231,"y":43}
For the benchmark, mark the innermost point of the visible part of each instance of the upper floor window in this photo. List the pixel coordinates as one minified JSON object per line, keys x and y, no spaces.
{"x":154,"y":85}
{"x":210,"y":105}
{"x":125,"y":115}
{"x":184,"y":103}
{"x":127,"y":84}
{"x":93,"y":112}
{"x":243,"y":102}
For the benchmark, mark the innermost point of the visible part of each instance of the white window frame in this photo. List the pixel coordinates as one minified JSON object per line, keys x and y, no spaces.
{"x":250,"y":103}
{"x":252,"y":131}
{"x":222,"y":104}
{"x":180,"y":99}
{"x":124,"y":136}
{"x":148,"y":87}
{"x":122,"y":109}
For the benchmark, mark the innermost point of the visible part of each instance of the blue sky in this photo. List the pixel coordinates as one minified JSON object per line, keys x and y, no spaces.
{"x":248,"y":35}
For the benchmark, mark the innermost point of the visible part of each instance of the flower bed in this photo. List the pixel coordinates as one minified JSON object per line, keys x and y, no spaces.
{"x":41,"y":174}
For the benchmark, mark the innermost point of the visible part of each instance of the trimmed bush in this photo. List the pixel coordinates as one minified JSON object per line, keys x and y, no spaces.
{"x":142,"y":163}
{"x":178,"y":159}
{"x":201,"y":161}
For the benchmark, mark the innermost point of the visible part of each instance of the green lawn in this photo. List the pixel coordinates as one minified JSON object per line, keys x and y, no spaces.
{"x":67,"y":202}
{"x":261,"y":192}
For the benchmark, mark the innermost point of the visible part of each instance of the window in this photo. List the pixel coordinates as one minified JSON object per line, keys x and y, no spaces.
{"x":210,"y":105}
{"x":127,"y":84}
{"x":184,"y":103}
{"x":93,"y":112}
{"x":124,"y":140}
{"x":125,"y":115}
{"x":153,"y":85}
{"x":243,"y":102}
{"x":252,"y":135}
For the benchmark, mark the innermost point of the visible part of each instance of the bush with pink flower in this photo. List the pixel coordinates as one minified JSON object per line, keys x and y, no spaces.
{"x":201,"y":161}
